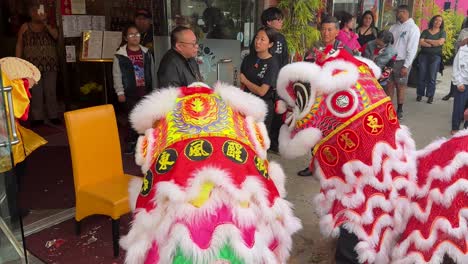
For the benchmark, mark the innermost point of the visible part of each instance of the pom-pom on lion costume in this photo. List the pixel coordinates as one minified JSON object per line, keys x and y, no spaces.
{"x":20,"y":75}
{"x":403,"y":205}
{"x":209,"y":194}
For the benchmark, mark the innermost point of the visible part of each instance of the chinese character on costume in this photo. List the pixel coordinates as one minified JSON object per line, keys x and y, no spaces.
{"x":391,"y":202}
{"x":209,"y":194}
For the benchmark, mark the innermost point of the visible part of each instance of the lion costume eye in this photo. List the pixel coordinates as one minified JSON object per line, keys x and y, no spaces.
{"x":303,"y":92}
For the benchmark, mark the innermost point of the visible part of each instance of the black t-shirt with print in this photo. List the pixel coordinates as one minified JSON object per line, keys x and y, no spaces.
{"x":260,"y":71}
{"x":280,"y":50}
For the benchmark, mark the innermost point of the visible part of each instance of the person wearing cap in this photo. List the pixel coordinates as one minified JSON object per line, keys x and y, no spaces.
{"x":143,"y":23}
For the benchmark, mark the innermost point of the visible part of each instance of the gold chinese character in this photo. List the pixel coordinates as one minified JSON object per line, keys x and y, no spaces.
{"x":234,"y":150}
{"x":164,"y":161}
{"x":260,"y":166}
{"x":329,"y":155}
{"x":145,"y":184}
{"x":349,"y":143}
{"x":196,"y":149}
{"x":391,"y":114}
{"x":197,"y":105}
{"x":373,"y":123}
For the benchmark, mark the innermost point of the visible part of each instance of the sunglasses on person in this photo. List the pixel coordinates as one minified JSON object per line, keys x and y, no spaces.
{"x":134,"y":35}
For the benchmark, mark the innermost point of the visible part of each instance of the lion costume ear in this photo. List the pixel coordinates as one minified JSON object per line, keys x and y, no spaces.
{"x":153,"y":107}
{"x":337,"y":75}
{"x":305,"y":74}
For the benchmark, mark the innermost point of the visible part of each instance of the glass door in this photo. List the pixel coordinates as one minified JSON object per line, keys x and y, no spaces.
{"x":11,"y":231}
{"x":224,"y":28}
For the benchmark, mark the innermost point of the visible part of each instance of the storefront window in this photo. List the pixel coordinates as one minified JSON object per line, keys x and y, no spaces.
{"x":388,"y":16}
{"x":216,"y":19}
{"x":350,"y":6}
{"x":223,"y":27}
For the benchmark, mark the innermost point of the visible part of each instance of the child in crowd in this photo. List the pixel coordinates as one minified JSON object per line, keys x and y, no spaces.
{"x":132,"y":71}
{"x":382,"y":53}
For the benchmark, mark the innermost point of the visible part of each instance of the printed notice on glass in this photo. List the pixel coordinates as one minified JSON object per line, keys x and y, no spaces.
{"x":111,"y":42}
{"x":84,"y":23}
{"x":91,"y":45}
{"x":70,"y":27}
{"x":78,"y":7}
{"x":98,"y":23}
{"x":71,"y":54}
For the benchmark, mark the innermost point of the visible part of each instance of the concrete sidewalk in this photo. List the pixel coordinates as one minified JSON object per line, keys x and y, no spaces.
{"x":427,"y":122}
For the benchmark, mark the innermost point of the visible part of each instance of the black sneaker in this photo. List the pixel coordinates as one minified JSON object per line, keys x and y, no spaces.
{"x":400,"y":114}
{"x":430,"y":100}
{"x":274,"y":150}
{"x":447,"y":97}
{"x":418,"y":98}
{"x":305,"y":172}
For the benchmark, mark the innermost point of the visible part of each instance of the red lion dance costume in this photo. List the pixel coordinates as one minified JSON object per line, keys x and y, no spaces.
{"x":209,"y":195}
{"x":403,"y":205}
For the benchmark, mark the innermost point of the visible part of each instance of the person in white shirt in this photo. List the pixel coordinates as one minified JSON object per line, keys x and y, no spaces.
{"x":460,"y":80}
{"x":406,"y":34}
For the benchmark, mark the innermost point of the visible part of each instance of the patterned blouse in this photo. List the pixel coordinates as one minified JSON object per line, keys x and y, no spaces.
{"x":39,"y":48}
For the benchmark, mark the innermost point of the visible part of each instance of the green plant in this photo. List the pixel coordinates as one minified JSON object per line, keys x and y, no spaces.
{"x":90,"y":87}
{"x":452,"y":25}
{"x":298,"y":29}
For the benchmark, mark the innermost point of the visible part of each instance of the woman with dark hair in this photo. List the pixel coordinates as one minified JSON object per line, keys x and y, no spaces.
{"x":430,"y":56}
{"x":259,"y":70}
{"x":133,"y":76}
{"x":366,"y":29}
{"x":347,"y":35}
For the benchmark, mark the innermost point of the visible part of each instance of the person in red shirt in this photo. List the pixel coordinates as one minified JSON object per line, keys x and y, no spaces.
{"x":132,"y":71}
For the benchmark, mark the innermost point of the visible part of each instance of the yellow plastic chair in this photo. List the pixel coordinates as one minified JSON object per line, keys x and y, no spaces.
{"x":101,"y":186}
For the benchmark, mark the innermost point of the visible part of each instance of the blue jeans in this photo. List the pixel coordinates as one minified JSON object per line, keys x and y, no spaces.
{"x":459,"y":101}
{"x":428,"y":68}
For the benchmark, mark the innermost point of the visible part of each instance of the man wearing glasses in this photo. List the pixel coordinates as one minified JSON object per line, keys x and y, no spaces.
{"x":178,"y":66}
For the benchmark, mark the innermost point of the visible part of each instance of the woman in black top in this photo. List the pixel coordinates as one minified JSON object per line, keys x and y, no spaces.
{"x":366,"y":28}
{"x":429,"y":58}
{"x":259,"y":70}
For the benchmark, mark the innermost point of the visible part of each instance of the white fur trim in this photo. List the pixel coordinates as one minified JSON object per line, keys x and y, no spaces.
{"x":330,"y":82}
{"x":172,"y":202}
{"x":134,"y":187}
{"x":278,"y":177}
{"x":372,"y":66}
{"x":281,"y":107}
{"x":299,"y":145}
{"x":246,"y":103}
{"x":153,"y":107}
{"x":139,"y":158}
{"x":198,"y":84}
{"x":260,"y":149}
{"x":299,"y":71}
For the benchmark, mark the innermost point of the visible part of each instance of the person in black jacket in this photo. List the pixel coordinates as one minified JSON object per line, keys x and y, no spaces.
{"x":132,"y":73}
{"x":178,"y":67}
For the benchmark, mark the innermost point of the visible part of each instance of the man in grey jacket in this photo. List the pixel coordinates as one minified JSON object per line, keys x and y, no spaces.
{"x":178,"y":66}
